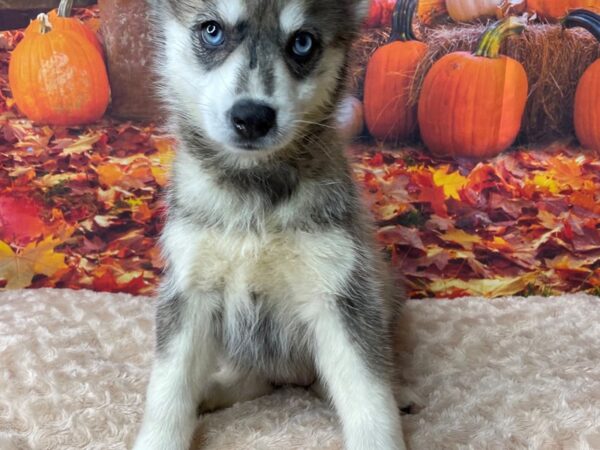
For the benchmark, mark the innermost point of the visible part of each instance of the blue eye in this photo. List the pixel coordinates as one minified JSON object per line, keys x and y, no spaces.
{"x":213,"y":34}
{"x":303,"y":44}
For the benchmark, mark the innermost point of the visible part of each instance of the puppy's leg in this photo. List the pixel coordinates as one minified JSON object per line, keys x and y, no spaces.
{"x":361,"y":394}
{"x":231,"y":385}
{"x":185,"y":359}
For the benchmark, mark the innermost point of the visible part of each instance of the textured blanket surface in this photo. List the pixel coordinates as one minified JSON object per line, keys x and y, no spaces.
{"x":483,"y":374}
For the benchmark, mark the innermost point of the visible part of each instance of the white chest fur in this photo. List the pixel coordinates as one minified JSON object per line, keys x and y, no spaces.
{"x":286,"y":266}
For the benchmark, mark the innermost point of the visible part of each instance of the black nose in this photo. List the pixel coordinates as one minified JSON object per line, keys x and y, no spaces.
{"x":252,"y":120}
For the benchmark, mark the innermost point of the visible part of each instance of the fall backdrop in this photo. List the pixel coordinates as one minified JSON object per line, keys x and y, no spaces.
{"x":80,"y":207}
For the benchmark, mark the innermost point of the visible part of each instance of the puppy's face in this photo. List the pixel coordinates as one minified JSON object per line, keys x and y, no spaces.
{"x":250,"y":74}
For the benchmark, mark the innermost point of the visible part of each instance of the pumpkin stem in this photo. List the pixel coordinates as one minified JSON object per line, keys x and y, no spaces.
{"x":64,"y":8}
{"x":491,"y":40}
{"x":402,"y":21}
{"x":584,"y":19}
{"x":45,"y":25}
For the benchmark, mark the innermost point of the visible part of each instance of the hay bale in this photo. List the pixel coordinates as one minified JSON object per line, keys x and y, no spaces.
{"x":366,"y":45}
{"x":554,"y":60}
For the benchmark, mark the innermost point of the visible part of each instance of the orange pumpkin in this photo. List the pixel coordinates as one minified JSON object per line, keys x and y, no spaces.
{"x":553,"y":10}
{"x":390,"y":71}
{"x":430,"y":11}
{"x":57,"y":77}
{"x":471,"y":104}
{"x":61,"y":19}
{"x":587,"y":96}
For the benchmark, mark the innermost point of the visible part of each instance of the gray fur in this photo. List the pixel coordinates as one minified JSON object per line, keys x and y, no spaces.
{"x":267,"y":344}
{"x":168,"y":319}
{"x":367,"y":315}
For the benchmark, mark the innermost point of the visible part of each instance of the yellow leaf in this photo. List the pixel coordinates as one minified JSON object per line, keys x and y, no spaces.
{"x":12,"y":270}
{"x":43,"y":257}
{"x":493,"y":287}
{"x":133,"y":202}
{"x":500,"y":244}
{"x":546,"y":182}
{"x":160,"y":175}
{"x":450,"y":182}
{"x":460,"y":237}
{"x":19,"y":268}
{"x":161,"y":161}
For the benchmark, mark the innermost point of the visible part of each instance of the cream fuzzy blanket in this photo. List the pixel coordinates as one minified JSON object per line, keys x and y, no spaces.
{"x":485,"y":374}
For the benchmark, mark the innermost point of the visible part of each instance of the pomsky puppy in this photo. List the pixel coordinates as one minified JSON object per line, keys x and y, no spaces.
{"x":272,"y":275}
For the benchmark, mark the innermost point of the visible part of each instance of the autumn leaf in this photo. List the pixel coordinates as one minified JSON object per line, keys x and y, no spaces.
{"x":452,"y":182}
{"x":585,"y":199}
{"x":110,"y":174}
{"x":19,"y":268}
{"x":402,"y":235}
{"x":496,"y":287}
{"x":500,"y":244}
{"x":82,"y":144}
{"x":546,"y":182}
{"x":107,"y":282}
{"x":430,"y":193}
{"x":457,"y":236}
{"x":20,"y":218}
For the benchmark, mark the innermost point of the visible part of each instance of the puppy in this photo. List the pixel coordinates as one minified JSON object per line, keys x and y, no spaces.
{"x":272,"y":276}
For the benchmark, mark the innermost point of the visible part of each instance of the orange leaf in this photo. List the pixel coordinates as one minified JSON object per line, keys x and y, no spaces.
{"x":110,"y":174}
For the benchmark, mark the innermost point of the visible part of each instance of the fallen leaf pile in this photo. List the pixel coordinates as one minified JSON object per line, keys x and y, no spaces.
{"x":81,"y":208}
{"x":526,"y":222}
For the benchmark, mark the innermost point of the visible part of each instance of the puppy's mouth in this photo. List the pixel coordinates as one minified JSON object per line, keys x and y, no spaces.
{"x":251,"y":146}
{"x":271,"y":142}
{"x":275,"y":140}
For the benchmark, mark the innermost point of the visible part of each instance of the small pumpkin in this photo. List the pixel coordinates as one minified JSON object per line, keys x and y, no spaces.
{"x":553,"y":10}
{"x":587,"y":96}
{"x":429,"y":11}
{"x":57,"y":77}
{"x":61,"y":19}
{"x":468,"y":10}
{"x":350,"y":118}
{"x":390,"y":72}
{"x":471,"y":104}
